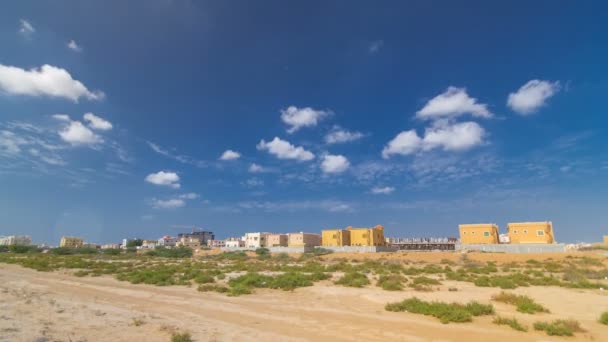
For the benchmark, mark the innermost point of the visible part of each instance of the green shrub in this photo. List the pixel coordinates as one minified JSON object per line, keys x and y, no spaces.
{"x":181,"y":337}
{"x":392,"y":282}
{"x":290,"y":281}
{"x":604,"y":318}
{"x":524,"y":304}
{"x":353,"y":279}
{"x":559,"y":327}
{"x":180,"y":252}
{"x":512,"y":322}
{"x":204,"y":279}
{"x":111,"y":251}
{"x":422,"y":280}
{"x":321,"y":251}
{"x":213,"y":288}
{"x":23,"y":249}
{"x":446,"y":313}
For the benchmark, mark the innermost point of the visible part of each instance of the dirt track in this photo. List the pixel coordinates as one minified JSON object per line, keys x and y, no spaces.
{"x":62,"y":307}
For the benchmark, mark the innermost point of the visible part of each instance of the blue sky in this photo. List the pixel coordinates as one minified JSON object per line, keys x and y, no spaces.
{"x":420,"y":115}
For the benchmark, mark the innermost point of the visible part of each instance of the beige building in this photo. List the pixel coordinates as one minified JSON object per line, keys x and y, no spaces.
{"x":256,"y":240}
{"x":71,"y":242}
{"x":276,"y":240}
{"x":531,"y":232}
{"x":481,"y":233}
{"x":304,"y":240}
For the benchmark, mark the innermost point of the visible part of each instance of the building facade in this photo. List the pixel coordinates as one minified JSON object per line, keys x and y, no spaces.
{"x":606,"y":239}
{"x":531,"y":232}
{"x":15,"y":240}
{"x":149,"y":244}
{"x":167,"y":241}
{"x":276,"y":240}
{"x":367,"y":236}
{"x":201,"y":235}
{"x":71,"y":242}
{"x":255,"y":240}
{"x":234,"y":242}
{"x":481,"y":233}
{"x":216,"y":243}
{"x":302,"y":239}
{"x":335,"y":237}
{"x":110,"y":246}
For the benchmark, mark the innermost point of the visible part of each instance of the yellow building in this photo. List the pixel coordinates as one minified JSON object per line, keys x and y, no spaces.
{"x":481,"y":233}
{"x":606,"y":239}
{"x":367,"y":236}
{"x":531,"y":232}
{"x":335,"y":237}
{"x":71,"y":242}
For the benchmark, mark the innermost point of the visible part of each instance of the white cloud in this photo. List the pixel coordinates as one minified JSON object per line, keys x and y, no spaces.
{"x":454,"y":137}
{"x":453,"y":103}
{"x":72,"y":45}
{"x":166,"y":178}
{"x":76,"y":133}
{"x":10,"y":142}
{"x":61,"y":117}
{"x":44,"y":81}
{"x":293,"y":206}
{"x":334,"y":163}
{"x":96,"y":122}
{"x":253,"y":182}
{"x":450,"y":137}
{"x":168,"y":204}
{"x":531,"y":96}
{"x":284,"y":150}
{"x":297,"y":118}
{"x":375,"y":46}
{"x":230,"y":155}
{"x":190,"y":196}
{"x":406,"y":142}
{"x":385,"y":190}
{"x":338,"y":135}
{"x":255,"y":168}
{"x":26,"y":28}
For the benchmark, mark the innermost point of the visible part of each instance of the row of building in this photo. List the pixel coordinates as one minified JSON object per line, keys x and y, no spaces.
{"x":16,"y":240}
{"x":517,"y":233}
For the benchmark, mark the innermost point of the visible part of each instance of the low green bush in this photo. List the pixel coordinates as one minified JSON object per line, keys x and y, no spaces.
{"x":445,"y":312}
{"x":393,"y":282}
{"x":559,"y":327}
{"x":164,"y":252}
{"x":353,"y":279}
{"x":524,"y":304}
{"x":181,"y":337}
{"x":604,"y":318}
{"x":512,"y":322}
{"x":422,"y":280}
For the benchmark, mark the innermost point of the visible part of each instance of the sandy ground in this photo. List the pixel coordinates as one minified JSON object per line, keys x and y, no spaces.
{"x":38,"y":306}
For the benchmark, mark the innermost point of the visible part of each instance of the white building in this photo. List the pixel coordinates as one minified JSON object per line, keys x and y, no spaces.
{"x":167,"y":241}
{"x":256,"y":240}
{"x":234,"y":242}
{"x":15,"y":240}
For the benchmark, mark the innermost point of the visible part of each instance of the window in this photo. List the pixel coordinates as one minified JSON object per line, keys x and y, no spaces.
{"x":464,"y":233}
{"x":472,"y":233}
{"x":540,"y":232}
{"x":335,"y":236}
{"x":514,"y":231}
{"x":486,"y":233}
{"x":525,"y":231}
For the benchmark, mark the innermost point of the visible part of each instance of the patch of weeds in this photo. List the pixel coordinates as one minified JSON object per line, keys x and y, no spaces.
{"x":213,"y":288}
{"x":204,"y":279}
{"x":181,"y":337}
{"x":137,"y":322}
{"x":445,"y":312}
{"x":524,"y":304}
{"x":604,"y":318}
{"x":424,"y":281}
{"x":559,"y":327}
{"x":392,"y":282}
{"x":512,"y":322}
{"x":353,"y":279}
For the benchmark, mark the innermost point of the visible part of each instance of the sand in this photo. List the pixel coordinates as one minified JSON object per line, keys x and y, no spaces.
{"x":56,"y":306}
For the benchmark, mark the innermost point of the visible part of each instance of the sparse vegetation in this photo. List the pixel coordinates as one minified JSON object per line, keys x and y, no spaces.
{"x":512,"y":322}
{"x":353,"y":279}
{"x":524,"y":304}
{"x":446,"y":313}
{"x":559,"y":327}
{"x":181,"y":337}
{"x":604,"y":318}
{"x":393,"y":282}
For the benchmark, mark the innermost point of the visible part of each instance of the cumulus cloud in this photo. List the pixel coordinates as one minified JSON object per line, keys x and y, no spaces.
{"x":255,"y":168}
{"x":531,"y":96}
{"x":448,"y":136}
{"x":230,"y":155}
{"x":72,"y":45}
{"x":95,"y":122}
{"x":168,"y":204}
{"x":76,"y":133}
{"x":47,"y":80}
{"x":384,"y":190}
{"x":297,"y":118}
{"x":452,"y":103}
{"x":406,"y":142}
{"x":338,"y":135}
{"x":334,"y":163}
{"x":284,"y":150}
{"x":165,"y":178}
{"x":26,"y":28}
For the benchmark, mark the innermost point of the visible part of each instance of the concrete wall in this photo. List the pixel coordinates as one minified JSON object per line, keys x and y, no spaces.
{"x":360,"y":249}
{"x":517,"y":248}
